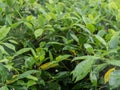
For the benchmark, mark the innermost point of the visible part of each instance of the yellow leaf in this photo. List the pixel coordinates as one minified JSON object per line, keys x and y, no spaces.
{"x":91,"y":16}
{"x":107,"y":75}
{"x":73,"y":52}
{"x":48,"y":65}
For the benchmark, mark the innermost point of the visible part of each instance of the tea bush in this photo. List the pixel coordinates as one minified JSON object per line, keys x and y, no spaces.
{"x":59,"y":44}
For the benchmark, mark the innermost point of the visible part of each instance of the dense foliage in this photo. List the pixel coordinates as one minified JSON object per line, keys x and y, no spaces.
{"x":59,"y":44}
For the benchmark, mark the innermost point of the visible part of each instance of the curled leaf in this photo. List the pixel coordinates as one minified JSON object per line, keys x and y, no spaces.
{"x":107,"y":75}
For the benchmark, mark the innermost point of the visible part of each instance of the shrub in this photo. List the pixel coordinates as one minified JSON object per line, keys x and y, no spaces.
{"x":59,"y":44}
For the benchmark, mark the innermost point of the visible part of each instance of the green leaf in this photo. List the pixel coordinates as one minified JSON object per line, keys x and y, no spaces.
{"x":31,"y":83}
{"x":79,"y":72}
{"x":41,"y":20}
{"x":91,"y":27}
{"x":75,"y":37}
{"x":83,"y":27}
{"x":4,"y":31}
{"x":38,"y":32}
{"x":89,"y":48}
{"x":29,"y":61}
{"x":4,"y":88}
{"x":114,"y":80}
{"x":23,"y":50}
{"x":51,"y":56}
{"x":101,"y":40}
{"x":16,"y":24}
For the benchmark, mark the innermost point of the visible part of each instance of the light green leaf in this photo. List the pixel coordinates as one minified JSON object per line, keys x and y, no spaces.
{"x":83,"y":27}
{"x":117,"y":3}
{"x":113,"y":5}
{"x":75,"y":37}
{"x":98,"y":68}
{"x":93,"y":78}
{"x":3,"y":50}
{"x":82,"y":69}
{"x":89,"y":48}
{"x":32,"y":77}
{"x":4,"y":31}
{"x":38,"y":32}
{"x":31,"y":83}
{"x":9,"y":67}
{"x":41,"y":20}
{"x":29,"y":25}
{"x":4,"y":60}
{"x":51,"y":56}
{"x":62,"y":57}
{"x":10,"y":46}
{"x":101,"y":40}
{"x":101,"y":33}
{"x":4,"y":88}
{"x":13,"y":41}
{"x":50,"y":1}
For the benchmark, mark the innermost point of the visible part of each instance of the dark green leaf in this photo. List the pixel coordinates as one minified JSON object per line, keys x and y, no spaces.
{"x":114,"y":81}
